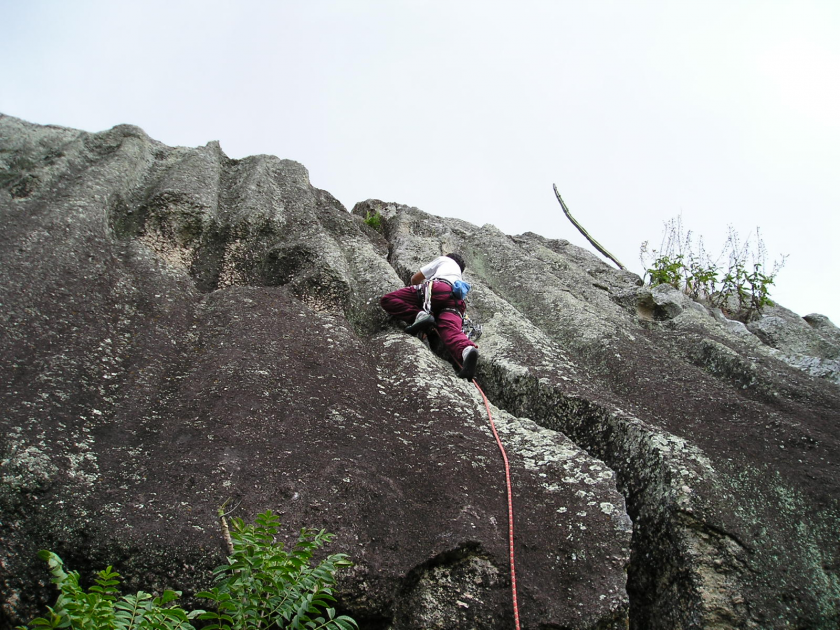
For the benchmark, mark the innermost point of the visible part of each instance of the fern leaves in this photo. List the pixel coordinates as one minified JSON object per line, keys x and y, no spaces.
{"x":262,"y":586}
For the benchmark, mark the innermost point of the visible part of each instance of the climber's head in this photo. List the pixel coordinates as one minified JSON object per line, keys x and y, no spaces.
{"x":458,"y":259}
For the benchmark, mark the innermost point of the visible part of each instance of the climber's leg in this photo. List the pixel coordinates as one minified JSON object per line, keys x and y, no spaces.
{"x":402,"y":303}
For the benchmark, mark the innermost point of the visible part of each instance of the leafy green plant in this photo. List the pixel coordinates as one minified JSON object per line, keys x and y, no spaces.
{"x":263,"y":586}
{"x":374,"y":220}
{"x":103,"y":608}
{"x":759,"y":291}
{"x":749,"y":289}
{"x":700,"y":279}
{"x":746,"y":292}
{"x":686,"y":265}
{"x":666,"y":271}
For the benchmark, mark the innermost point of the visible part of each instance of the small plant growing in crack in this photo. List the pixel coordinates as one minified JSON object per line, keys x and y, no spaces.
{"x":374,"y":220}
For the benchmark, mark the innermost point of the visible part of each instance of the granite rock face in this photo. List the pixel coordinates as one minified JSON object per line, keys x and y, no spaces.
{"x":727,"y":457}
{"x":810,"y":343}
{"x":180,"y":328}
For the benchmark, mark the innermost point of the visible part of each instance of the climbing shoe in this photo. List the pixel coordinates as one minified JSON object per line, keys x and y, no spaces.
{"x":470,"y":357}
{"x":422,"y":322}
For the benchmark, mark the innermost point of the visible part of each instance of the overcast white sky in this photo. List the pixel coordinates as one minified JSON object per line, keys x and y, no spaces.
{"x":725,"y":112}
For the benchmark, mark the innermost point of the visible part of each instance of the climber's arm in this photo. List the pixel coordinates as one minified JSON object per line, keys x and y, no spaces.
{"x":417,"y":278}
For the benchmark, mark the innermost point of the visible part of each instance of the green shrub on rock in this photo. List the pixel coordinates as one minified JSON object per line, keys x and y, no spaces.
{"x":374,"y":220}
{"x":103,"y":608}
{"x":686,"y":265}
{"x":265,"y":585}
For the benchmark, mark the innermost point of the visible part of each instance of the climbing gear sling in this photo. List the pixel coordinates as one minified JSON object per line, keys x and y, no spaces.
{"x":459,"y":291}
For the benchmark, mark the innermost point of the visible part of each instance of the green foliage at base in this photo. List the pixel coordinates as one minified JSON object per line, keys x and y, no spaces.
{"x":262,"y":586}
{"x":103,"y":608}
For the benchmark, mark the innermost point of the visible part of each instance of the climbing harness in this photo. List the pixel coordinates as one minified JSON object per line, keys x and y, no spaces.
{"x":427,"y":295}
{"x":459,"y":291}
{"x":425,"y":292}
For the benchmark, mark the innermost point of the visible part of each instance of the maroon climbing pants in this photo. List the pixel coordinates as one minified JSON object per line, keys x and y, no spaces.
{"x":405,"y":303}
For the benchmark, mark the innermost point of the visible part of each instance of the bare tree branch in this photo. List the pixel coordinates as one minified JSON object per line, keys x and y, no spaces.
{"x":595,"y":243}
{"x":225,"y":530}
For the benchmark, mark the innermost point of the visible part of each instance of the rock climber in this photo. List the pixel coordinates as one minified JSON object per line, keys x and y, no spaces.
{"x":429,"y":301}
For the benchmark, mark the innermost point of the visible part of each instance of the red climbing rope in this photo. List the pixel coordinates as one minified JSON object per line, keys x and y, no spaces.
{"x":510,"y":504}
{"x":509,"y":498}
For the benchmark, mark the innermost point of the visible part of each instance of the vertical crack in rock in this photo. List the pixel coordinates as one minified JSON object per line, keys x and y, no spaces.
{"x":669,"y":575}
{"x":573,"y":534}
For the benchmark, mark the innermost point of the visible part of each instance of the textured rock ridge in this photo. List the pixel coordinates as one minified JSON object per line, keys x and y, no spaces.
{"x":704,"y":428}
{"x":180,"y":328}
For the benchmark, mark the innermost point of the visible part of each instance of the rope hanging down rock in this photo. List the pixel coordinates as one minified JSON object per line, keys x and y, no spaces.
{"x":509,"y":487}
{"x":510,"y":505}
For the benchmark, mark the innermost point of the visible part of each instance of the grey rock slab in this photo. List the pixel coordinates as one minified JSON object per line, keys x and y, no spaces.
{"x":811,"y":344}
{"x":181,"y":329}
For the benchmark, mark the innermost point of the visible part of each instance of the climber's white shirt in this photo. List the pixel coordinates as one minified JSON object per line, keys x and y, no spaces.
{"x":444,"y":268}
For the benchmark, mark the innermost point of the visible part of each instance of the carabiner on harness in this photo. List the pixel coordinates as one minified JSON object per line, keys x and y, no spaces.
{"x":471,"y":329}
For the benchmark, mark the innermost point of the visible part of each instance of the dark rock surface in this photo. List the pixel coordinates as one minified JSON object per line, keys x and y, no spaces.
{"x":179,"y":328}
